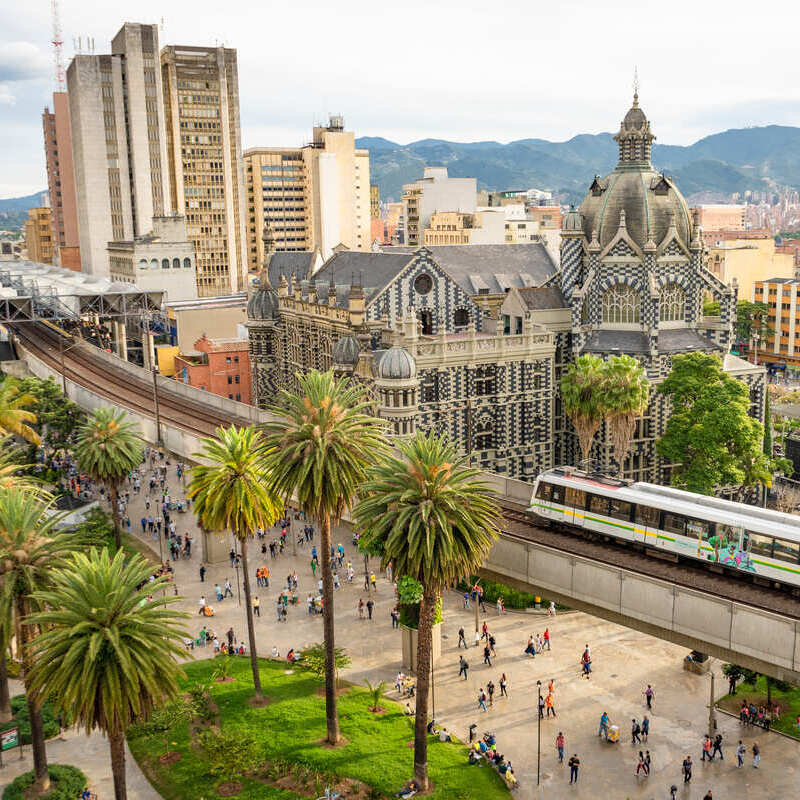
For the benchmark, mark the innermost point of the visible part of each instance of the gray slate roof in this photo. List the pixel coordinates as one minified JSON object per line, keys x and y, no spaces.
{"x":286,"y":263}
{"x":612,"y":341}
{"x":675,"y":340}
{"x":536,"y":298}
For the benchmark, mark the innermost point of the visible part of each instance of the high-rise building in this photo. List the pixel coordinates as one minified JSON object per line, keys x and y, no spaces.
{"x":374,"y":201}
{"x":206,"y":184}
{"x":39,"y":235}
{"x":315,"y":197}
{"x":61,"y":182}
{"x":118,"y":142}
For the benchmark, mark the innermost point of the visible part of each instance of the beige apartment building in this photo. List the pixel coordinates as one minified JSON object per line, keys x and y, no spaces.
{"x":118,"y":143}
{"x":204,"y":145}
{"x":315,"y":197}
{"x":374,"y":201}
{"x":39,"y":235}
{"x":719,"y":217}
{"x":61,"y":183}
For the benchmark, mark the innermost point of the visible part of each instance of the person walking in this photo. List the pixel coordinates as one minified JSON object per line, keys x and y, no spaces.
{"x":491,"y":644}
{"x":485,"y":632}
{"x":706,"y":749}
{"x":361,"y":608}
{"x":741,"y":749}
{"x":228,"y":589}
{"x":546,"y":637}
{"x":574,"y":764}
{"x":648,"y":696}
{"x":503,"y":685}
{"x":717,"y":747}
{"x":202,"y":603}
{"x":257,"y":607}
{"x":395,"y":615}
{"x":635,"y":731}
{"x":645,"y":728}
{"x":641,"y":765}
{"x":551,"y":609}
{"x":560,"y":747}
{"x":687,"y":769}
{"x":756,"y":754}
{"x":486,"y":654}
{"x":604,"y":720}
{"x":549,"y":704}
{"x":463,"y":666}
{"x":482,"y":700}
{"x":231,"y":637}
{"x":370,"y":606}
{"x":461,"y":639}
{"x":490,"y":692}
{"x":647,"y":761}
{"x":373,"y":583}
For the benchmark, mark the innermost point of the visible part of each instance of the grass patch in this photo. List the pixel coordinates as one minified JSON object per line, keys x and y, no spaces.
{"x":288,"y":732}
{"x":788,"y":701}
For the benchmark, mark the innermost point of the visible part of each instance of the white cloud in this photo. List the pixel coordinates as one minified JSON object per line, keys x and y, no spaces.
{"x":6,"y":96}
{"x":22,"y":61}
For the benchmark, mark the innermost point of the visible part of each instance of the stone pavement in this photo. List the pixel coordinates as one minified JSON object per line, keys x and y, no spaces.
{"x":624,"y":661}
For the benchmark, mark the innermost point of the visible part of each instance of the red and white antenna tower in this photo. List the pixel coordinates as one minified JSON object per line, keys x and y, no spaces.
{"x":58,"y":43}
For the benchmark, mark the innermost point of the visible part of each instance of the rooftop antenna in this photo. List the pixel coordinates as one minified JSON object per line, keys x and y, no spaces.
{"x":58,"y":43}
{"x":635,"y":85}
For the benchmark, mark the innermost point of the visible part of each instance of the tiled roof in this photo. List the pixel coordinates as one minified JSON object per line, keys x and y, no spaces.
{"x":544,"y":297}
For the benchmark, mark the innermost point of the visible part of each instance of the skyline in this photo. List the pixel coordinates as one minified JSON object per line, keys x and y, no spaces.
{"x":505,"y":74}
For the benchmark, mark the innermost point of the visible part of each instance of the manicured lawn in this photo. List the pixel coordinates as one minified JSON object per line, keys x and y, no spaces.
{"x":290,"y":729}
{"x":788,"y":701}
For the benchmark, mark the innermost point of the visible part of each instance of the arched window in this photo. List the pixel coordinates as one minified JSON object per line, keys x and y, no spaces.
{"x":143,"y":264}
{"x":154,"y":264}
{"x":187,"y":263}
{"x":176,"y":263}
{"x":672,"y":303}
{"x":460,"y":317}
{"x":621,"y":304}
{"x":484,"y":435}
{"x":164,"y":263}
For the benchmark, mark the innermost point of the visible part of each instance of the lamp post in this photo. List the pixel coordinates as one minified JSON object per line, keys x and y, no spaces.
{"x":712,"y":723}
{"x":236,"y":568}
{"x":538,"y":731}
{"x":155,"y":405}
{"x":756,"y":337}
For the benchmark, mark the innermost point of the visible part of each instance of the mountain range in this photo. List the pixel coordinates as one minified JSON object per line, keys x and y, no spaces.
{"x":709,"y":170}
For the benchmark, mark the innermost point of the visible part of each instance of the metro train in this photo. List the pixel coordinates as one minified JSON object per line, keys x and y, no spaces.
{"x":739,"y":537}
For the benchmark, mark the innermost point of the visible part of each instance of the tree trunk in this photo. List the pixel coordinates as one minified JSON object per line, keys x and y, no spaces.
{"x":251,"y":631}
{"x":116,"y":743}
{"x":331,"y":713}
{"x":5,"y":698}
{"x":427,"y":607}
{"x":112,"y":490}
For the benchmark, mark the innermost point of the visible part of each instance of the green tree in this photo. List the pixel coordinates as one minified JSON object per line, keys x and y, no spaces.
{"x":315,"y":659}
{"x":710,"y":437}
{"x":582,"y":395}
{"x":107,"y":450}
{"x":751,"y":318}
{"x":14,"y":413}
{"x":318,"y":449}
{"x":767,"y":428}
{"x":31,"y":549}
{"x":105,"y":654}
{"x":57,"y":417}
{"x":375,"y":691}
{"x":435,"y":520}
{"x":166,"y":717}
{"x":626,"y":395}
{"x":231,"y":492}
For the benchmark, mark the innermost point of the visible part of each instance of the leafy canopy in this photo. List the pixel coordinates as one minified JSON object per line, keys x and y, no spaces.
{"x":582,"y":387}
{"x":108,"y":447}
{"x":427,"y":512}
{"x":105,"y":653}
{"x":231,"y":487}
{"x":15,"y":415}
{"x":322,"y":442}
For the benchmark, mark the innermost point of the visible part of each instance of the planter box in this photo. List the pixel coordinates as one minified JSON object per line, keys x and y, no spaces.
{"x":408,"y":637}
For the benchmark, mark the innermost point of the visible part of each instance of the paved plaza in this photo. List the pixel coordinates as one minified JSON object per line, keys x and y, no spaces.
{"x":624,"y":662}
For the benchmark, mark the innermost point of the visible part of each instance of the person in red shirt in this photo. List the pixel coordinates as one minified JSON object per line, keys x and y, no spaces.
{"x":547,"y":638}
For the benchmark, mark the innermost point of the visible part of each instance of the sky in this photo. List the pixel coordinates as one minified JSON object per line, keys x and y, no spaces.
{"x":458,"y":70}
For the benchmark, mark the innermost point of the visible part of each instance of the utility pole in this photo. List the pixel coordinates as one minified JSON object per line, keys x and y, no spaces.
{"x":712,"y":723}
{"x":155,"y":405}
{"x":61,"y":356}
{"x":539,"y":732}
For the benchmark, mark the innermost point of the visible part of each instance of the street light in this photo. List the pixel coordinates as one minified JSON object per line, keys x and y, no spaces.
{"x":155,"y":405}
{"x":538,"y":731}
{"x":236,"y":567}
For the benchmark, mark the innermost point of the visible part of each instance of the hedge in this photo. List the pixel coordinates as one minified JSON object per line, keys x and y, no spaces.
{"x":66,"y":783}
{"x":512,"y":598}
{"x":19,"y":708}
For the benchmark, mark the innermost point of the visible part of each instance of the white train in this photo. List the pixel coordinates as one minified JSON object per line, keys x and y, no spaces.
{"x":733,"y":535}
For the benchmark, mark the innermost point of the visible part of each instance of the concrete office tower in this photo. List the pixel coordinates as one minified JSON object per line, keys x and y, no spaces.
{"x":118,"y":142}
{"x":61,"y":182}
{"x":313,"y":198}
{"x":434,"y":192}
{"x":206,"y":179}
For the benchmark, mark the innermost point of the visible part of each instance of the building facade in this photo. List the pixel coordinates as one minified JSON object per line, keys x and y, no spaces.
{"x":219,"y":366}
{"x":61,"y":182}
{"x":473,"y":340}
{"x":781,"y":296}
{"x":39,"y":235}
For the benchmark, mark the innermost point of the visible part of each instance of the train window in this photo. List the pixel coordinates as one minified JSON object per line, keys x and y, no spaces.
{"x":543,"y":491}
{"x":557,"y":494}
{"x":758,"y":545}
{"x":787,"y":551}
{"x":620,"y":510}
{"x":576,"y":498}
{"x":598,"y":504}
{"x":645,"y":515}
{"x":673,"y":523}
{"x":697,"y":529}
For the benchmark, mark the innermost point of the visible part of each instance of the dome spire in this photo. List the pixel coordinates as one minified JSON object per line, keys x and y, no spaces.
{"x":268,"y":237}
{"x":634,"y":137}
{"x":636,"y":87}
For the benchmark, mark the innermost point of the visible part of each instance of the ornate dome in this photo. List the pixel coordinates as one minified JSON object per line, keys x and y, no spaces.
{"x":345,"y":351}
{"x":396,"y":364}
{"x":650,"y":200}
{"x":263,"y":304}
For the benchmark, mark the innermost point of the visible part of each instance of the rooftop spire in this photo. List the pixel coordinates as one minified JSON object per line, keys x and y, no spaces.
{"x":634,"y":137}
{"x":636,"y":87}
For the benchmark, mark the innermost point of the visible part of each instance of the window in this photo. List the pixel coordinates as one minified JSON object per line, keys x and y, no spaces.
{"x":673,"y":523}
{"x":238,"y":396}
{"x":672,"y":303}
{"x":154,"y":263}
{"x":187,"y":263}
{"x":426,"y":318}
{"x":598,"y":504}
{"x":558,"y":494}
{"x":423,"y":283}
{"x":236,"y":379}
{"x":227,"y":359}
{"x":176,"y":263}
{"x":518,"y":325}
{"x":647,"y":516}
{"x":786,"y":551}
{"x":506,"y":325}
{"x":484,"y":435}
{"x":460,"y":317}
{"x":236,"y":359}
{"x":698,"y":529}
{"x":484,"y":380}
{"x":621,"y":304}
{"x":230,"y":397}
{"x":757,"y":544}
{"x":230,"y":379}
{"x":543,"y":491}
{"x":576,"y":498}
{"x":620,"y":510}
{"x":143,"y":264}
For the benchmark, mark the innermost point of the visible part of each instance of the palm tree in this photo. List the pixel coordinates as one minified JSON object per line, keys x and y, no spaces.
{"x":31,"y":548}
{"x":626,"y":396}
{"x":428,"y":513}
{"x":105,"y":654}
{"x":14,"y":414}
{"x":319,"y":449}
{"x":231,"y":491}
{"x":582,"y":394}
{"x":107,"y":450}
